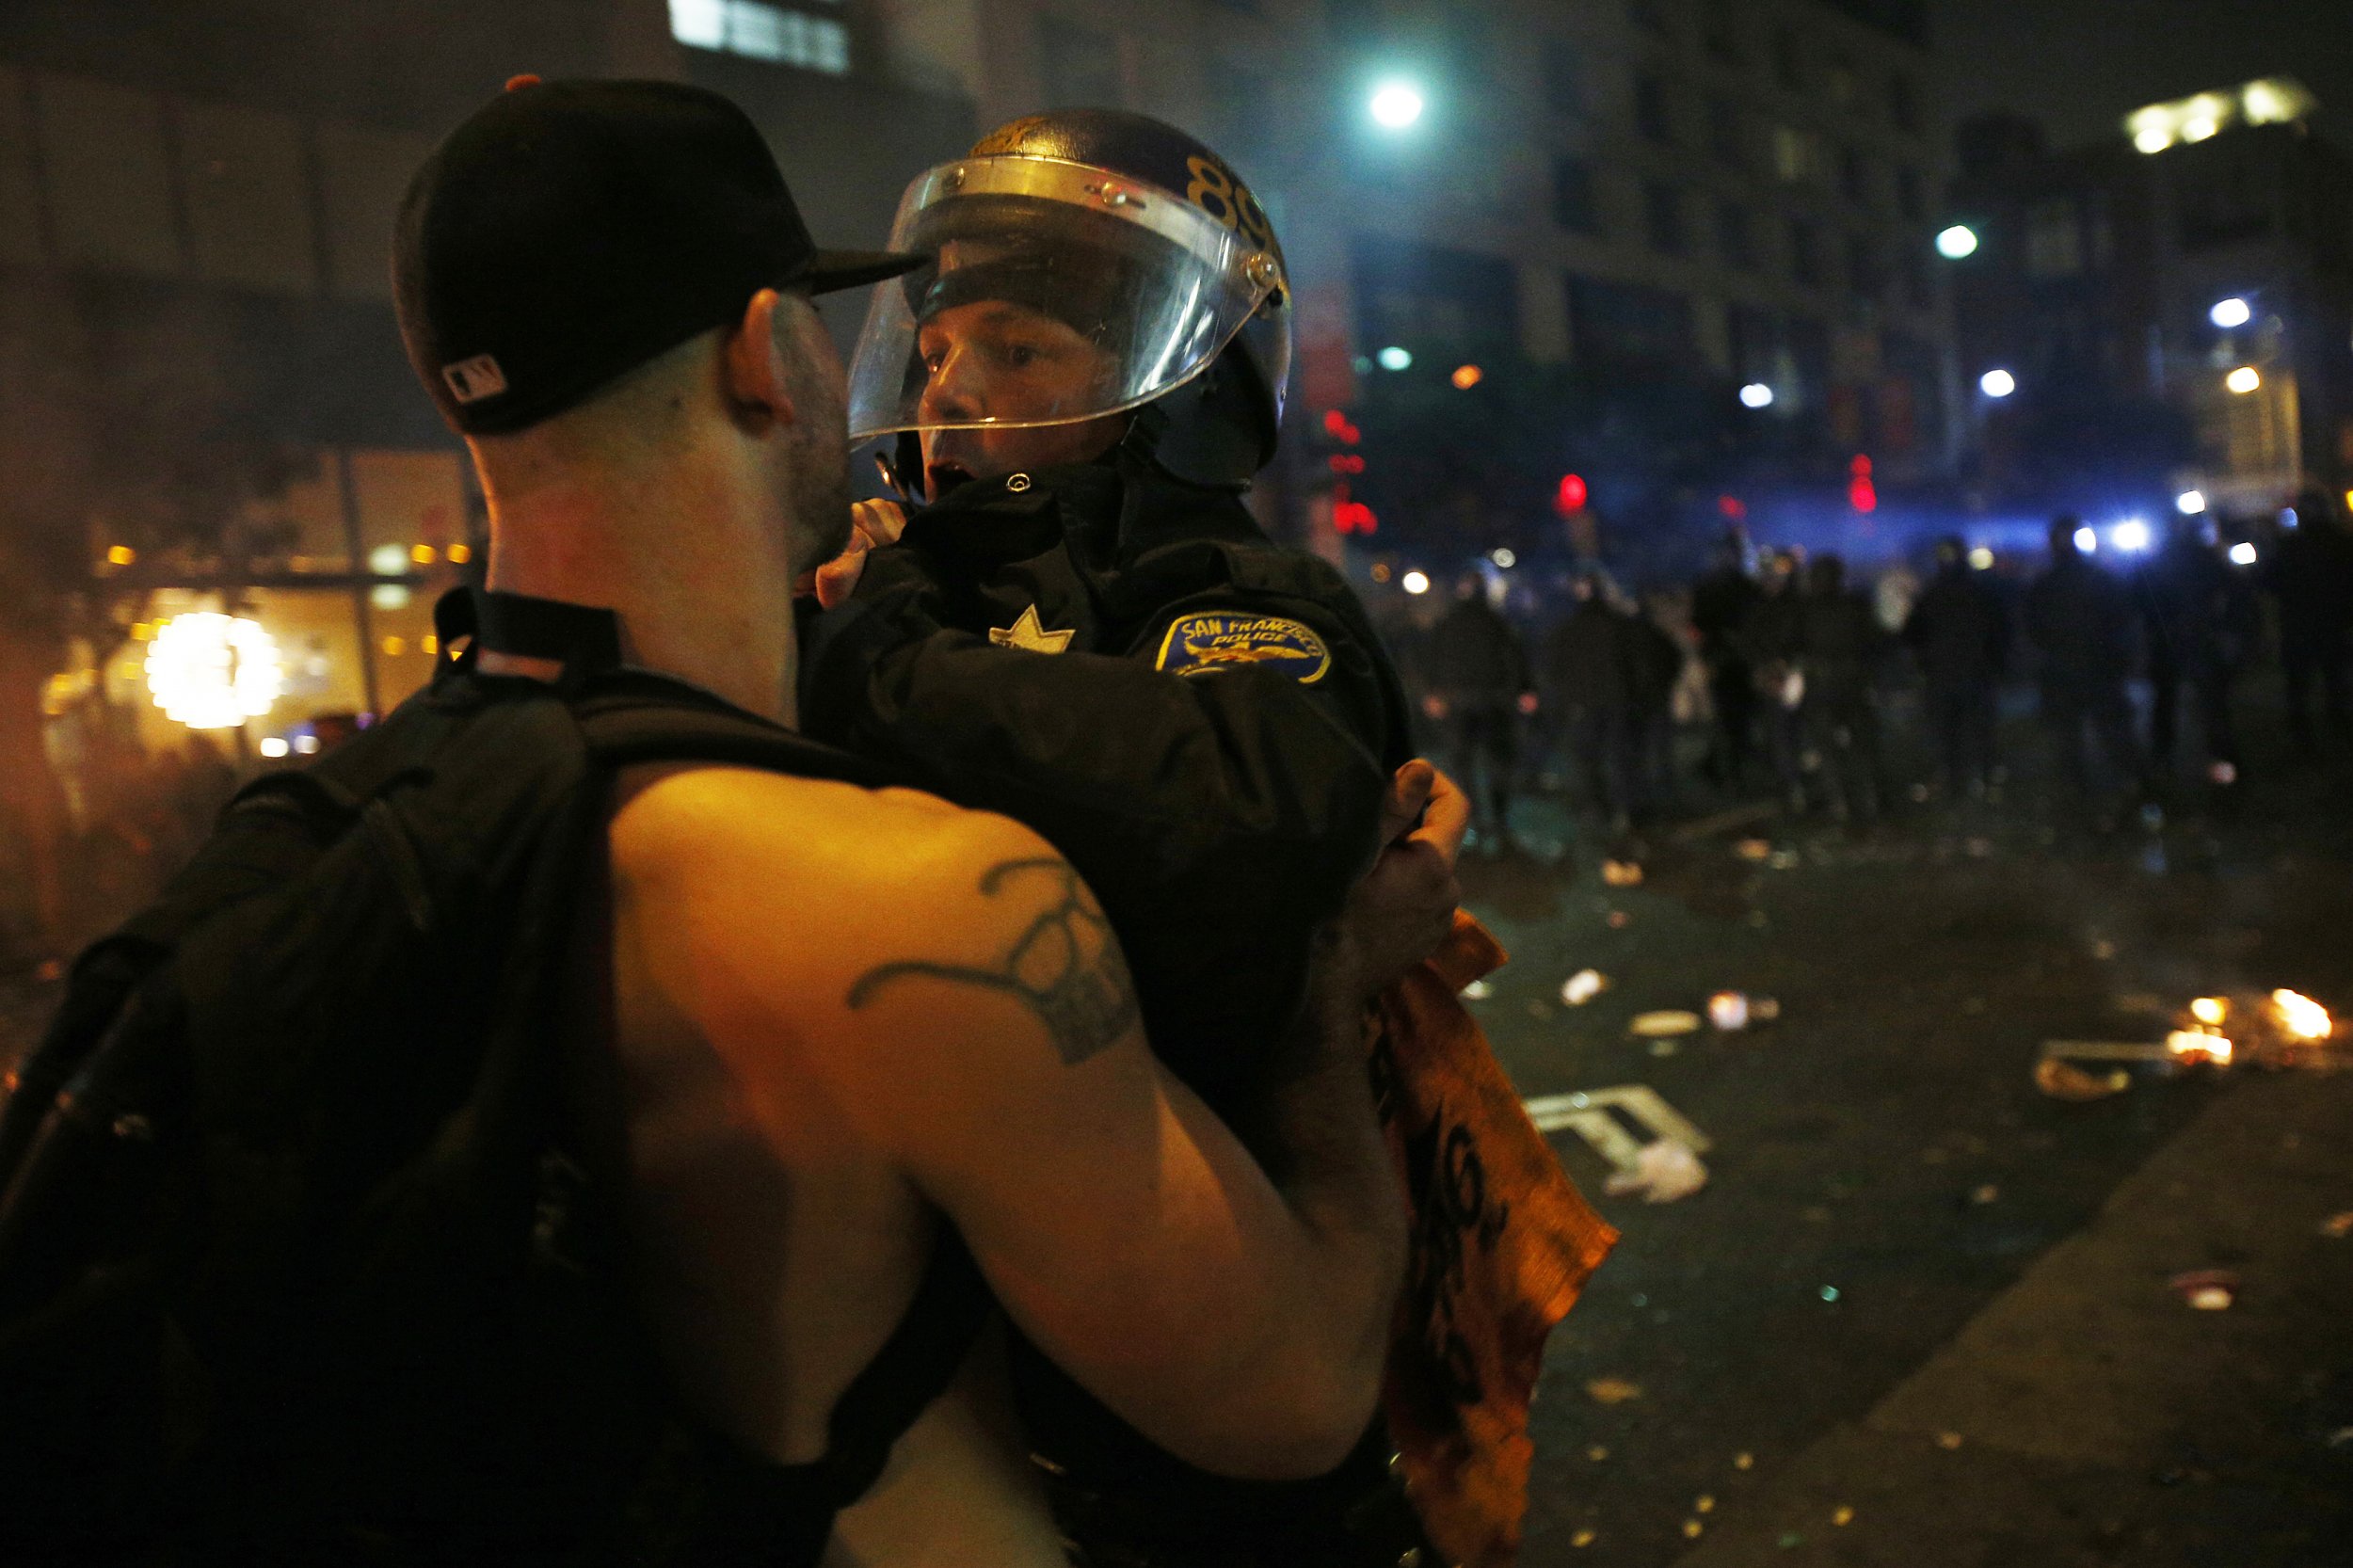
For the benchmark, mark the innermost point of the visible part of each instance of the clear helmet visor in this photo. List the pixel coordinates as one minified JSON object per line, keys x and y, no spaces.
{"x":1055,"y":293}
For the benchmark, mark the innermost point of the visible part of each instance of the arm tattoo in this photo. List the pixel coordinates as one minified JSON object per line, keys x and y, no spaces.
{"x":1065,"y":967}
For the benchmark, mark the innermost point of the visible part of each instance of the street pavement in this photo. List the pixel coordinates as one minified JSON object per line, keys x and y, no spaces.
{"x":1920,"y":1315}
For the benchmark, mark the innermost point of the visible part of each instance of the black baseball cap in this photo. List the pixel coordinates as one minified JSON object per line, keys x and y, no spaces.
{"x":569,"y":231}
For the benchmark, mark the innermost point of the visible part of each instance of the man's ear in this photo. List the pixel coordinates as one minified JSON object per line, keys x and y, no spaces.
{"x":758,"y":381}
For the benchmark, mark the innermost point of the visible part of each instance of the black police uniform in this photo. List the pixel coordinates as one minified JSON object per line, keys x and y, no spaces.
{"x":1209,"y":745}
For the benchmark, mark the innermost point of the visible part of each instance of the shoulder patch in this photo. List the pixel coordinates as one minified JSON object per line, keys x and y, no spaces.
{"x":1220,"y":639}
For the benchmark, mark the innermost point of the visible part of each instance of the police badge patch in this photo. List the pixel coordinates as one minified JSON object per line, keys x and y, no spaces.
{"x":1218,"y":639}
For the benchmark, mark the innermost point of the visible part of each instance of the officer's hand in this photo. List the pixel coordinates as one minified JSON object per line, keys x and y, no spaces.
{"x":1402,"y":910}
{"x":872,"y":522}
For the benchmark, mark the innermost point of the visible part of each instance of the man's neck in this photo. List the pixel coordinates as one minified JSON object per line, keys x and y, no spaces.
{"x":696,"y":597}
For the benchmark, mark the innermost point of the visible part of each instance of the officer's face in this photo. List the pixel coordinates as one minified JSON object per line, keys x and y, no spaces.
{"x":992,"y":360}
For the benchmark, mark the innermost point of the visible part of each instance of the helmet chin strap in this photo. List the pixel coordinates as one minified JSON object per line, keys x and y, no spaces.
{"x":1201,"y":434}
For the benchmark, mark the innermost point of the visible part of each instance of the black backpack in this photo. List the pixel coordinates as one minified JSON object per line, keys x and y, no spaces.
{"x":309,"y":1247}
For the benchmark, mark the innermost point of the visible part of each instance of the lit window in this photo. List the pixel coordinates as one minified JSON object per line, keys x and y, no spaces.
{"x":759,"y":31}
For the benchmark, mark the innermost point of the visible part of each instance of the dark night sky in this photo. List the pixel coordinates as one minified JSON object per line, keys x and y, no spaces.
{"x":2079,"y":66}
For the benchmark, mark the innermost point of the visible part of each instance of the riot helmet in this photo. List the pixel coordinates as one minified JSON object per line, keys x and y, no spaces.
{"x":1080,"y":266}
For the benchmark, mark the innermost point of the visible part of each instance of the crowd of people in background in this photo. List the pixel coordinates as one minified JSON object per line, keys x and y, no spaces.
{"x":1774,"y":672}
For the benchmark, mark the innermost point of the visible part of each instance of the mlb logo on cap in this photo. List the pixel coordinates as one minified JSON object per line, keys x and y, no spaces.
{"x":472,"y":380}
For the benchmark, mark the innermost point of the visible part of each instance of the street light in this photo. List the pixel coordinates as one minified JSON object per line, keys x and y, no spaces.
{"x":1396,"y":105}
{"x":1997,"y":383}
{"x":1956,"y":242}
{"x":2086,"y":540}
{"x":1756,"y":395}
{"x":1504,"y":559}
{"x":2231,"y":313}
{"x":2243,"y":553}
{"x":2131,"y":536}
{"x":2242,"y":380}
{"x":1415,"y":582}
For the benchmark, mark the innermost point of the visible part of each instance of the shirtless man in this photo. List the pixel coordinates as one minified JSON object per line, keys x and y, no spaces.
{"x":851,"y":1021}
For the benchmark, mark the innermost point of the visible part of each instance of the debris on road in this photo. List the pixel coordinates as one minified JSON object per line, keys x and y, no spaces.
{"x":1583,"y":986}
{"x":1621,"y":874}
{"x":2207,"y":1289}
{"x":1664,"y":1172}
{"x":1613,"y":1390}
{"x":1731,"y":1011}
{"x":2061,"y":1081}
{"x":2199,"y":1045}
{"x":2302,"y":1017}
{"x":1660,"y":1025}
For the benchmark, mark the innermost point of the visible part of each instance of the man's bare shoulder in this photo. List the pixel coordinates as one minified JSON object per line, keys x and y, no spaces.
{"x":822,"y":880}
{"x":705,"y":823}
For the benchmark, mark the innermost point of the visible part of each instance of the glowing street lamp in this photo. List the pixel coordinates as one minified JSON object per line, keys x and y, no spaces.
{"x":2086,"y":540}
{"x":1756,"y":395}
{"x":2190,"y":503}
{"x":1997,"y":383}
{"x":1415,"y":582}
{"x":2131,"y":536}
{"x":2231,"y":313}
{"x":2245,"y":379}
{"x":2243,"y":553}
{"x":1396,"y":105}
{"x":1958,"y":242}
{"x":211,"y":671}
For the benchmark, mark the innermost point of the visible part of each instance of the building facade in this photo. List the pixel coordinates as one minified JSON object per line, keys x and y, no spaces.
{"x":2190,"y":276}
{"x":204,"y":402}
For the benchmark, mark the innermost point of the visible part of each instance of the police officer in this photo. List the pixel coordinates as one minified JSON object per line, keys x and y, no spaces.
{"x":1086,"y":628}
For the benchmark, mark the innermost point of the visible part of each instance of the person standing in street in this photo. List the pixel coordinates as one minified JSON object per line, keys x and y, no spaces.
{"x":2310,"y":573}
{"x":1589,"y":684}
{"x":1838,"y":646}
{"x":1480,"y":689}
{"x":1768,"y":643}
{"x":1960,"y":635}
{"x":2202,"y":622}
{"x":1722,"y":602}
{"x":2081,"y":622}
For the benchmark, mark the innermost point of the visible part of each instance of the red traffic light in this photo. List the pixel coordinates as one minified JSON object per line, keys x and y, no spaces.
{"x":1572,"y":496}
{"x":1336,"y":426}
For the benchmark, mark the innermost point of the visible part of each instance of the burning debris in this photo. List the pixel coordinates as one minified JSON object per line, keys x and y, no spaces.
{"x":2285,"y":1028}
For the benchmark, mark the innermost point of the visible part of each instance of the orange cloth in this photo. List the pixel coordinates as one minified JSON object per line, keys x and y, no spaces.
{"x":1502,"y":1243}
